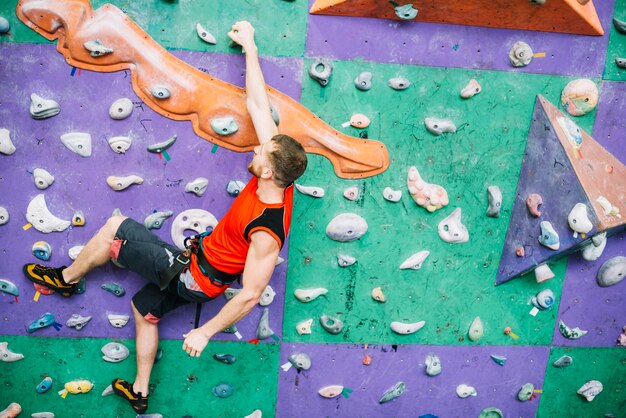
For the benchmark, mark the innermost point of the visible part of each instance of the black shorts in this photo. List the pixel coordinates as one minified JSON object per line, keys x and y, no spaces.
{"x":144,"y":253}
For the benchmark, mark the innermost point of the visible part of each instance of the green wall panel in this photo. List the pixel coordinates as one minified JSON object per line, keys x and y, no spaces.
{"x":175,"y":377}
{"x":456,"y":282}
{"x":559,"y":397}
{"x":280,"y":25}
{"x":617,"y":46}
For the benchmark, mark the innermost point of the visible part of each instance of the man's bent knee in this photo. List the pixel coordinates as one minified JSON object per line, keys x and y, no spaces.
{"x":140,"y":317}
{"x":112,"y":225}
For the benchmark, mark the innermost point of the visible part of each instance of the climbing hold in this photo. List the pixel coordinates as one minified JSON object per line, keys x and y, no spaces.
{"x":81,"y":287}
{"x":224,"y":126}
{"x":563,"y":361}
{"x":331,"y":324}
{"x":579,"y":97}
{"x":620,"y":62}
{"x":42,"y":415}
{"x":471,"y":89}
{"x":501,"y":360}
{"x":121,"y":109}
{"x":415,"y":261}
{"x":439,"y":126}
{"x":7,"y":355}
{"x":304,"y":327}
{"x":223,"y":390}
{"x":156,"y":219}
{"x":43,"y":321}
{"x":463,"y":391}
{"x":39,"y":216}
{"x":5,"y":26}
{"x":77,"y":321}
{"x":607,"y":207}
{"x":234,"y":187}
{"x":572,"y":132}
{"x":275,"y":115}
{"x":346,"y":227}
{"x":433,"y":364}
{"x":41,"y":108}
{"x":6,"y":146}
{"x":359,"y":120}
{"x":114,"y":288}
{"x":493,"y":412}
{"x":526,"y":392}
{"x":331,"y":391}
{"x":398,"y":83}
{"x":543,"y":300}
{"x":363,"y":81}
{"x":118,"y":321}
{"x":263,"y":330}
{"x":590,"y":390}
{"x":11,"y":411}
{"x":77,"y":142}
{"x":320,"y":71}
{"x":160,"y":92}
{"x":9,"y":287}
{"x":392,"y":393}
{"x":570,"y":333}
{"x":114,"y":352}
{"x":257,"y":412}
{"x":42,"y":250}
{"x":197,"y":186}
{"x":367,"y":360}
{"x":475,"y":329}
{"x":74,"y":251}
{"x":429,"y":196}
{"x":231,"y":292}
{"x":267,"y":297}
{"x":205,"y":35}
{"x":4,"y":215}
{"x":42,"y":289}
{"x":620,"y":25}
{"x":579,"y":220}
{"x":96,"y":48}
{"x":300,"y":361}
{"x":78,"y":386}
{"x":621,"y":339}
{"x":231,"y":329}
{"x":405,"y":12}
{"x":162,"y":146}
{"x":45,"y":385}
{"x":378,"y":295}
{"x":225,"y":358}
{"x":594,"y":249}
{"x":495,"y":201}
{"x":451,"y":229}
{"x":197,"y":220}
{"x":344,"y":260}
{"x":121,"y":183}
{"x":406,"y":328}
{"x":519,"y":251}
{"x":307,"y":295}
{"x":549,"y":237}
{"x":520,"y":54}
{"x":392,"y":195}
{"x":612,"y":271}
{"x":310,"y":190}
{"x":78,"y":219}
{"x":351,"y":193}
{"x":543,"y":273}
{"x":43,"y":179}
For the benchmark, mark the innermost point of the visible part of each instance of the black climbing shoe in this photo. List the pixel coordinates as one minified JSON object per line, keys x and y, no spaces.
{"x":125,"y":390}
{"x":49,"y":277}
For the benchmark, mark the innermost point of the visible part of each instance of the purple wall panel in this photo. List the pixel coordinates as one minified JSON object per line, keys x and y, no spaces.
{"x":341,"y":364}
{"x":439,"y":45}
{"x":80,"y":182}
{"x":610,"y":127}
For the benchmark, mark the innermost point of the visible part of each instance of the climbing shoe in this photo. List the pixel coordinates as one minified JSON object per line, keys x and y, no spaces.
{"x":125,"y":390}
{"x":49,"y":277}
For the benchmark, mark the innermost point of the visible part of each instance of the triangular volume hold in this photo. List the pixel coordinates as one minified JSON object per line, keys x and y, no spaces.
{"x":562,"y":167}
{"x":565,"y":16}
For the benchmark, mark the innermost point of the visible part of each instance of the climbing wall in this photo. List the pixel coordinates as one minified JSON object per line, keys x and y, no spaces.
{"x":454,"y":285}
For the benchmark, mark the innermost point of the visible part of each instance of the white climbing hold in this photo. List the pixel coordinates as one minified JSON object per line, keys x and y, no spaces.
{"x":304,"y":327}
{"x":197,"y":186}
{"x":41,"y":108}
{"x":607,"y":207}
{"x":121,"y":109}
{"x":310,"y":190}
{"x":378,"y":295}
{"x":392,"y":195}
{"x":74,"y":251}
{"x":543,"y":273}
{"x":594,"y":249}
{"x":43,"y":179}
{"x":4,"y":215}
{"x":406,"y":328}
{"x":463,"y":391}
{"x":612,"y":271}
{"x":451,"y":229}
{"x":427,"y":195}
{"x":307,"y":295}
{"x":433,"y":364}
{"x":205,"y":35}
{"x":439,"y":126}
{"x":578,"y":220}
{"x":520,"y":54}
{"x":42,"y":219}
{"x":351,"y":193}
{"x":476,"y":329}
{"x":6,"y":146}
{"x":344,"y":260}
{"x":346,"y":227}
{"x":78,"y":142}
{"x":117,"y":320}
{"x":570,"y":333}
{"x":590,"y":390}
{"x":471,"y":89}
{"x":268,"y":296}
{"x":415,"y":261}
{"x":96,"y":48}
{"x":121,"y":183}
{"x":7,"y":355}
{"x":197,"y":220}
{"x":120,"y":144}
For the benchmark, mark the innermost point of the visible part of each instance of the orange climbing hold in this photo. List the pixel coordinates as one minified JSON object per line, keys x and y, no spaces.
{"x":567,"y":16}
{"x":179,"y":91}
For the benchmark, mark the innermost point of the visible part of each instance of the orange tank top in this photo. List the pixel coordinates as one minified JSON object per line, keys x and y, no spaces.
{"x":226,"y":248}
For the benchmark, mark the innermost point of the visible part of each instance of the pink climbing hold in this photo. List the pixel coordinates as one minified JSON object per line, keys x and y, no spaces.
{"x":429,"y":196}
{"x":533,"y":201}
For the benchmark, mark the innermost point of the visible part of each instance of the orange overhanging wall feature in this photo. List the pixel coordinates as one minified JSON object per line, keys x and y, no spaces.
{"x":195,"y":96}
{"x":567,"y":16}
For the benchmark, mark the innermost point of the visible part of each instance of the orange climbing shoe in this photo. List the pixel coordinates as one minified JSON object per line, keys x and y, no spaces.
{"x":125,"y":390}
{"x":49,"y":277}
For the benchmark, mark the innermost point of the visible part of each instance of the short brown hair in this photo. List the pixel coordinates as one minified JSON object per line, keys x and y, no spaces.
{"x":288,"y":159}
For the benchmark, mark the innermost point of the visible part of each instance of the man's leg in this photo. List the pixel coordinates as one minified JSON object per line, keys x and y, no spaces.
{"x":95,"y":253}
{"x":147,"y":343}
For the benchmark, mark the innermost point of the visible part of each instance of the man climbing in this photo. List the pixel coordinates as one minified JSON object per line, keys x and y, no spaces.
{"x":245,"y":243}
